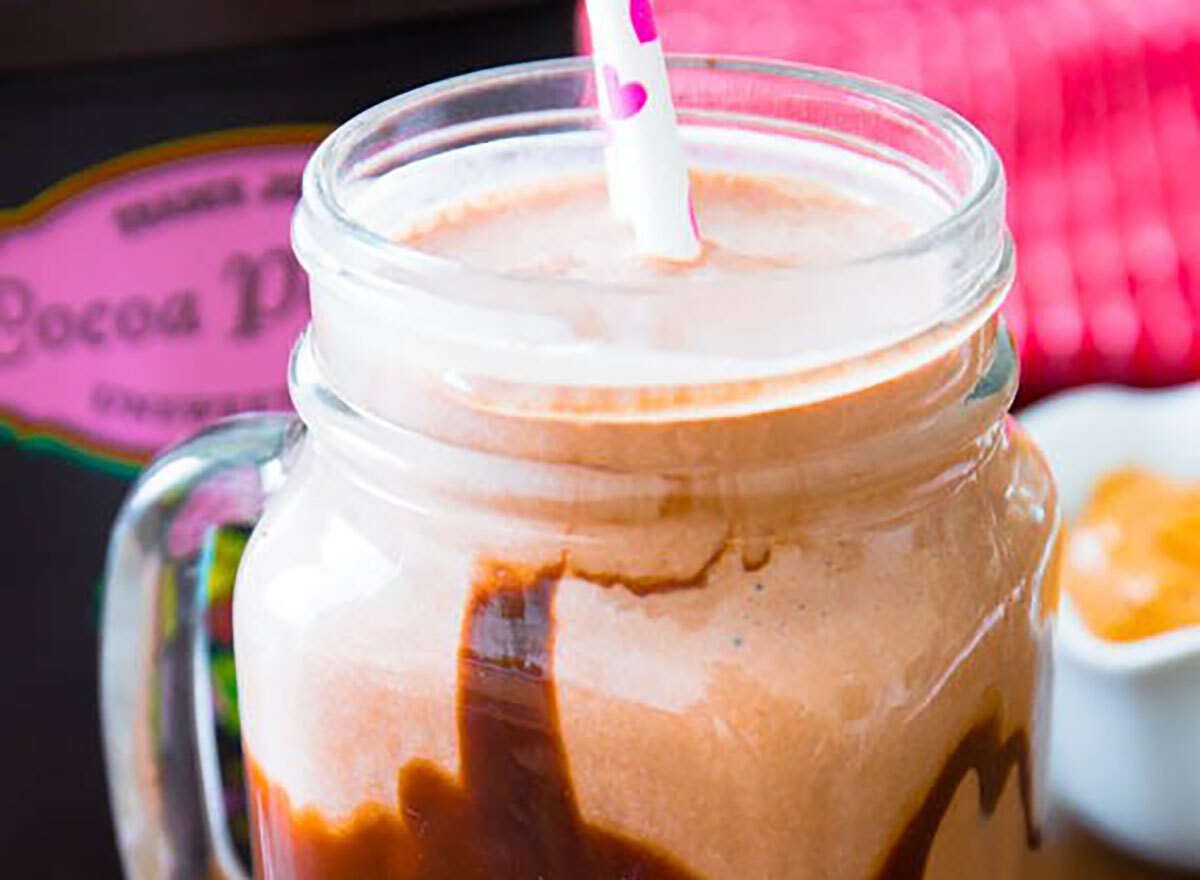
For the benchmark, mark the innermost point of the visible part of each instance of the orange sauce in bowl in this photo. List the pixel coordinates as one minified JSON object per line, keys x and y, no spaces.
{"x":1132,"y":560}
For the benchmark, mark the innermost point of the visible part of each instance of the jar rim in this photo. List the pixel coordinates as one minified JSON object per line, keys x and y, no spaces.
{"x":987,"y":173}
{"x":402,"y":284}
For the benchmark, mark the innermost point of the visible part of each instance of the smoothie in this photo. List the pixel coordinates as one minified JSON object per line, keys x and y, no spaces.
{"x":746,"y":626}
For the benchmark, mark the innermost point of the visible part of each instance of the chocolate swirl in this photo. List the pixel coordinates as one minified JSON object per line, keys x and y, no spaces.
{"x":511,"y":813}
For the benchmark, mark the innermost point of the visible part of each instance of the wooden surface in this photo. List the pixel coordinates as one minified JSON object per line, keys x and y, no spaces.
{"x":1071,"y":854}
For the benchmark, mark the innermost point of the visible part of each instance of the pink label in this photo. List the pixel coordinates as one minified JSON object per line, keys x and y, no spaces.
{"x":146,"y":297}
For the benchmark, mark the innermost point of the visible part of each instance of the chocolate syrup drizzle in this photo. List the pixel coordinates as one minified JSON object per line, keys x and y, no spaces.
{"x":993,"y":760}
{"x":511,"y":813}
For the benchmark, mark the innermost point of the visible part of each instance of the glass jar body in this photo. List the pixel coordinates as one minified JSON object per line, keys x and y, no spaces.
{"x":805,"y":665}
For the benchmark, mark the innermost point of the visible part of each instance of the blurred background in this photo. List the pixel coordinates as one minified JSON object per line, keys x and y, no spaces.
{"x":151,"y":159}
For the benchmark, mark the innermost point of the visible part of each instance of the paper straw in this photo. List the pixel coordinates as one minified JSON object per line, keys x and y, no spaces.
{"x":617,"y":201}
{"x":648,"y":177}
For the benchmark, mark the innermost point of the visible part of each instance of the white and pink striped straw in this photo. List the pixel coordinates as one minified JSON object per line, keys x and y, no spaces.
{"x":647,"y":173}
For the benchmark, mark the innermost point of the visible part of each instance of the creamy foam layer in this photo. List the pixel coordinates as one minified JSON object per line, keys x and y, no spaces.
{"x":750,"y":225}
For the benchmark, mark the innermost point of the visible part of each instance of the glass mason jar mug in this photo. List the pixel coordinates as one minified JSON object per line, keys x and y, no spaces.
{"x":717,"y":578}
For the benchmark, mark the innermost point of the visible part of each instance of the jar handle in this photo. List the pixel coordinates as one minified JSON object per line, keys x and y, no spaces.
{"x":160,"y":741}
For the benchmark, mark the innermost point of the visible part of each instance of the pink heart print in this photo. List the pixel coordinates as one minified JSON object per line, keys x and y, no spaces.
{"x":642,"y":17}
{"x":625,"y":99}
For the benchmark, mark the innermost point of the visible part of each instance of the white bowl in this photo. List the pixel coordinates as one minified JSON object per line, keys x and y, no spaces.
{"x":1125,"y":729}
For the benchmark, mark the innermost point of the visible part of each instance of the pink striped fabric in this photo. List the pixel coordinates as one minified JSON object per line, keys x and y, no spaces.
{"x":1094,"y":106}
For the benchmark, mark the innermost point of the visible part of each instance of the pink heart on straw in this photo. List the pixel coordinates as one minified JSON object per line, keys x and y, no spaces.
{"x":642,"y":17}
{"x":626,"y":99}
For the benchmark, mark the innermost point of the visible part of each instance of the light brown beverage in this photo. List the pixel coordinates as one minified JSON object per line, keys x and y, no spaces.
{"x":773,"y":626}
